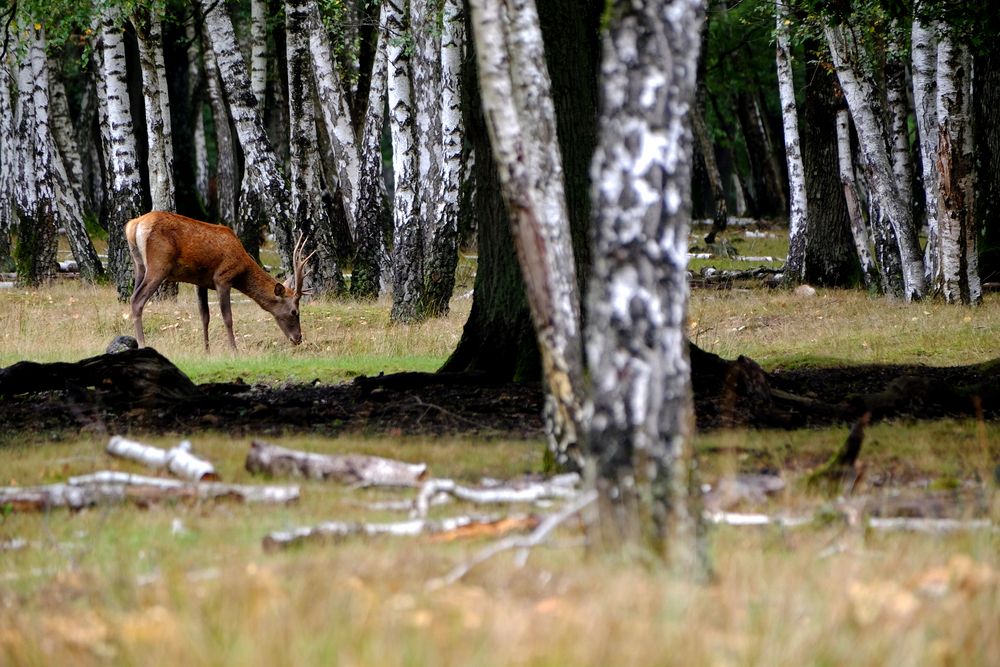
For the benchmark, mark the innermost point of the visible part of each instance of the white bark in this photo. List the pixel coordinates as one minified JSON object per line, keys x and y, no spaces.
{"x":64,"y":136}
{"x":641,"y":405}
{"x":798,"y":212}
{"x":225,"y":167}
{"x":407,"y":252}
{"x":124,"y":186}
{"x":336,"y":114}
{"x":957,"y":231}
{"x":160,"y":154}
{"x":899,"y":114}
{"x":264,"y":196}
{"x":178,"y":460}
{"x":355,"y":469}
{"x":8,"y":149}
{"x":563,"y":486}
{"x":517,"y":101}
{"x":859,"y":230}
{"x":258,"y":50}
{"x":924,"y":73}
{"x":860,"y":94}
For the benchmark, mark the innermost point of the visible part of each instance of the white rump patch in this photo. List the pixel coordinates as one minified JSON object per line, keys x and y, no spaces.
{"x":141,"y":235}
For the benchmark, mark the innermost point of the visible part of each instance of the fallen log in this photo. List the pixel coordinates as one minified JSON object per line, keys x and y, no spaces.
{"x":520,"y":491}
{"x":354,"y":469}
{"x":178,"y":460}
{"x":332,"y":531}
{"x":113,"y":487}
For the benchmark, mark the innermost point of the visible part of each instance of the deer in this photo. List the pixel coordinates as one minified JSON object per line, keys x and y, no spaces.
{"x":168,"y":246}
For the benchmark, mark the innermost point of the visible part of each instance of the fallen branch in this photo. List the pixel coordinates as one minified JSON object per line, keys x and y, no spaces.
{"x":178,"y":460}
{"x":336,"y":530}
{"x":112,"y":487}
{"x":524,"y":543}
{"x":914,"y":524}
{"x":563,"y":486}
{"x":346,"y":468}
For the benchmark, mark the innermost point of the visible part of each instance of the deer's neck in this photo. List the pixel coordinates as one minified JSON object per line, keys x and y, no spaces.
{"x":258,"y":284}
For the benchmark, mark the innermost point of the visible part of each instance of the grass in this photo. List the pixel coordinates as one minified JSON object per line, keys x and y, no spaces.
{"x":190,"y":584}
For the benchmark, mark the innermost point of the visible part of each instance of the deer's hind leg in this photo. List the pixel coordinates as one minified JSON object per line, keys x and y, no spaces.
{"x":203,"y":311}
{"x":143,"y":291}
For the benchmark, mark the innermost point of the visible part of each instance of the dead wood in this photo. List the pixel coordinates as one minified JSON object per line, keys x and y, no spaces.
{"x":112,"y":487}
{"x":132,"y":377}
{"x":178,"y":460}
{"x":333,"y":531}
{"x":841,"y":471}
{"x":516,"y":491}
{"x":356,"y":469}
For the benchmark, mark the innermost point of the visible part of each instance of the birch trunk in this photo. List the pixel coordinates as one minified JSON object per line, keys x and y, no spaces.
{"x":196,"y":85}
{"x":924,"y":74}
{"x":160,"y":160}
{"x":336,"y":112}
{"x":8,"y":161}
{"x":372,"y":270}
{"x":899,"y":114}
{"x":264,"y":194}
{"x":859,"y":230}
{"x":441,"y":203}
{"x":37,"y":236}
{"x":258,"y":50}
{"x":639,"y":436}
{"x":225,"y":164}
{"x":64,"y":137}
{"x":407,"y":250}
{"x":861,"y":95}
{"x":957,"y":242}
{"x":124,"y":198}
{"x":517,"y":101}
{"x":87,"y":140}
{"x":798,"y":211}
{"x":309,"y":214}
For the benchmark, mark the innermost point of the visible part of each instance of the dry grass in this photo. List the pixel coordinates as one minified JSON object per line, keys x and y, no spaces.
{"x":122,"y":586}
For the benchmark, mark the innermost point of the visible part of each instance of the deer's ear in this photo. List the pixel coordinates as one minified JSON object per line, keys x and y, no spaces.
{"x":279,"y":289}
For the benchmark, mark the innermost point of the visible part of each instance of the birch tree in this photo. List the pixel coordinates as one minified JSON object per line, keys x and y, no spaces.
{"x":124,"y":189}
{"x":859,"y":229}
{"x":258,"y":50}
{"x":957,"y":231}
{"x":225,"y":164}
{"x":798,"y":212}
{"x":641,"y":413}
{"x":264,"y":197}
{"x":923,"y":50}
{"x":861,"y":95}
{"x":308,"y":211}
{"x":160,"y":159}
{"x":517,"y":103}
{"x":8,"y":150}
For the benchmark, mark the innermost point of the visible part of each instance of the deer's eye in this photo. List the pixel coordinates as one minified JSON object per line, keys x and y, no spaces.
{"x":295,"y":313}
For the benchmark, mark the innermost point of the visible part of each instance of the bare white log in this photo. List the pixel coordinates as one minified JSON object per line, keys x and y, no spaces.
{"x":178,"y":460}
{"x":355,"y":469}
{"x":334,"y":530}
{"x":524,"y":492}
{"x":524,"y":543}
{"x":111,"y":487}
{"x":899,"y":523}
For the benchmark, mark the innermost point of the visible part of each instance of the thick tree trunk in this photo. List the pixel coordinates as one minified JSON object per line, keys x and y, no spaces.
{"x":8,"y":160}
{"x":124,"y":185}
{"x":798,"y":215}
{"x":521,"y":122}
{"x":407,"y":251}
{"x":264,"y":197}
{"x":225,"y":161}
{"x":831,"y":255}
{"x":861,"y":95}
{"x":986,"y":124}
{"x":957,"y":231}
{"x":309,"y":214}
{"x":371,"y":270}
{"x":639,"y":439}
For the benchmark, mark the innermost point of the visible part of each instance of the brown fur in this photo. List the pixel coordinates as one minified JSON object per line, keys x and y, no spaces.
{"x":208,"y":256}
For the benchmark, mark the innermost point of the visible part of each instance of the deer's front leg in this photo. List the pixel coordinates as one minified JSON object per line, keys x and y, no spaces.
{"x":227,"y":312}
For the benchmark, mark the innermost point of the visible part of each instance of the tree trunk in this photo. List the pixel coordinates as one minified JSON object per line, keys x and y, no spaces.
{"x":371,"y":270}
{"x":309,"y":213}
{"x":517,"y":103}
{"x":407,"y":251}
{"x":986,"y":124}
{"x":35,"y":254}
{"x":924,"y":74}
{"x":798,"y":216}
{"x":225,"y":163}
{"x":441,"y":245}
{"x":264,"y":197}
{"x":957,"y":231}
{"x":639,"y":438}
{"x":765,"y":172}
{"x":861,"y":95}
{"x":196,"y":84}
{"x":8,"y":160}
{"x":831,"y":255}
{"x":124,"y":199}
{"x":258,"y":50}
{"x":64,"y":137}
